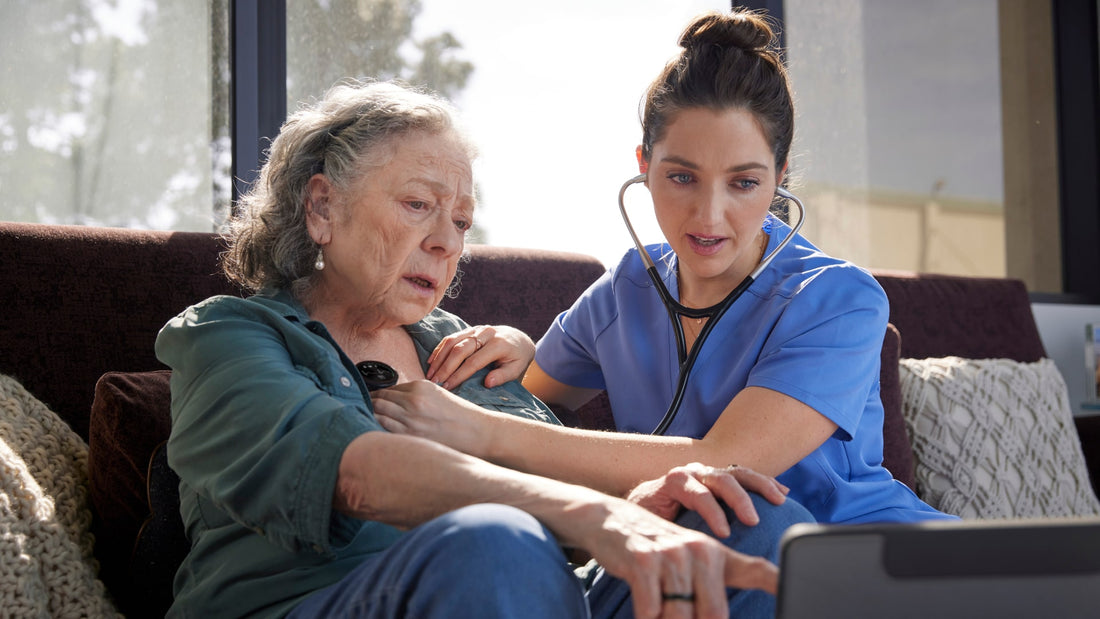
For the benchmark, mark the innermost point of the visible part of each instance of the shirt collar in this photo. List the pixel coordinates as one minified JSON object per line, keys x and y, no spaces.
{"x":425,"y":333}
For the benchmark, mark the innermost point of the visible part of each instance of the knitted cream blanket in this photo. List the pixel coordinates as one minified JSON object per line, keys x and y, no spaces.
{"x":46,"y":563}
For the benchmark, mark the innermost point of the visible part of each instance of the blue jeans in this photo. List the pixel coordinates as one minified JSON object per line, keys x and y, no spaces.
{"x":497,"y":561}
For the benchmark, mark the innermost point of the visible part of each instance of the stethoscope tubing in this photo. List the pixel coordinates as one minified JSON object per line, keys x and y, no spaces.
{"x":715,"y":312}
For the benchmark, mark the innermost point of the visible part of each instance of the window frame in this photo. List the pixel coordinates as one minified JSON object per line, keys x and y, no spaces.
{"x":258,"y":69}
{"x":1077,"y":94}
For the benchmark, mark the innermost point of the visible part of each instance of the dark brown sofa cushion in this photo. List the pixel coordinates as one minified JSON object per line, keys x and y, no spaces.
{"x":130,"y":416}
{"x":161,"y":545}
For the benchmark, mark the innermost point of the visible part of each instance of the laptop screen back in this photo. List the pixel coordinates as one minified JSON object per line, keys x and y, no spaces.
{"x":1034,"y":568}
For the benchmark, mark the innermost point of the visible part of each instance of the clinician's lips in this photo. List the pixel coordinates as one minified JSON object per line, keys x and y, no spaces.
{"x":706,"y":245}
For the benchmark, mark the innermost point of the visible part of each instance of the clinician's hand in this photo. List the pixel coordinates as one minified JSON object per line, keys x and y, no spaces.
{"x":459,"y":355}
{"x":699,"y":487}
{"x":423,"y":409}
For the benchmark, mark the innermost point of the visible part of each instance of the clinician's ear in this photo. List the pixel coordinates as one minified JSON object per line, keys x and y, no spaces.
{"x":643,"y":165}
{"x":782,"y":174}
{"x":319,"y":194}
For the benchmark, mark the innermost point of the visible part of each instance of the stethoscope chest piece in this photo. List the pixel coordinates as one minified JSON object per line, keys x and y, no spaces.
{"x":376,"y":374}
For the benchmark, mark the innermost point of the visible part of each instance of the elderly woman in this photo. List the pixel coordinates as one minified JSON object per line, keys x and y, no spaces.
{"x":298,"y":503}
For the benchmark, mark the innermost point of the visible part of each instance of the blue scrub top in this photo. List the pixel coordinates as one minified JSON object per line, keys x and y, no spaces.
{"x":810,"y":327}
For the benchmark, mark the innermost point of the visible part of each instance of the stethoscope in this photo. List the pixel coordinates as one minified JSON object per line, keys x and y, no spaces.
{"x":714,"y":313}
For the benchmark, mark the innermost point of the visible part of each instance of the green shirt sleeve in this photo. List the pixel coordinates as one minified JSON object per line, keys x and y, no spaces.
{"x":262,"y":410}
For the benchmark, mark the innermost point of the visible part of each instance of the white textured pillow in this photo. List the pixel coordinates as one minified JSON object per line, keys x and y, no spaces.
{"x":994,"y":438}
{"x":46,"y":563}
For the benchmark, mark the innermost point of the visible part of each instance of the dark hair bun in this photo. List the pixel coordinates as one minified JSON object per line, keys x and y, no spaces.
{"x":746,"y":30}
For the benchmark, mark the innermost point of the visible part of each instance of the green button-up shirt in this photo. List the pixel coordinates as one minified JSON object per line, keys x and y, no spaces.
{"x":263,"y":405}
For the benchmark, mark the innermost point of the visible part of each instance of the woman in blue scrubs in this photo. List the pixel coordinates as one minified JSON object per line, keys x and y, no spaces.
{"x":786,"y":384}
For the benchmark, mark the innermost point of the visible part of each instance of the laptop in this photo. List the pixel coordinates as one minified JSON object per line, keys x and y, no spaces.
{"x":971,"y":568}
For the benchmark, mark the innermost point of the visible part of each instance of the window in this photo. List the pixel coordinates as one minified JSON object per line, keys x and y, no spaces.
{"x":551,"y":95}
{"x":898,"y":137}
{"x":114,"y":113}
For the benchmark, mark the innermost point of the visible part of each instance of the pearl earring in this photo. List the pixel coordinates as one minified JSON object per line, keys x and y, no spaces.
{"x":320,"y":263}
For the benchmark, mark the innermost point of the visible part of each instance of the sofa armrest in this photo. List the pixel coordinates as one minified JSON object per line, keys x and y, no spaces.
{"x":1088,"y":430}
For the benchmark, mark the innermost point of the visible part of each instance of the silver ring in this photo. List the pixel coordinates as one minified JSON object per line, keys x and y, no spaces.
{"x":678,"y":597}
{"x":479,"y":344}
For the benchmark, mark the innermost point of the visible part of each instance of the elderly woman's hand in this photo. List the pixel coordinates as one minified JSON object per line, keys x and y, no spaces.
{"x":461,"y":354}
{"x":423,"y":409}
{"x":676,"y":572}
{"x":698,"y":487}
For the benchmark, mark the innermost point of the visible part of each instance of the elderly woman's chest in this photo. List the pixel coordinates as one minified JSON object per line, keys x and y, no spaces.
{"x":395,"y":349}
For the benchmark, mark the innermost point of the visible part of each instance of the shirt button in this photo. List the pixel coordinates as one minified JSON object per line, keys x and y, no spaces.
{"x":345,"y":381}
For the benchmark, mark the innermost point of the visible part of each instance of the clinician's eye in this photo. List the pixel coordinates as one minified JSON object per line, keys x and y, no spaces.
{"x":680,"y":178}
{"x":746,"y":184}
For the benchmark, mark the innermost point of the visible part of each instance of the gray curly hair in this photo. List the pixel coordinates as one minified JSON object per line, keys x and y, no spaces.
{"x":269,"y":245}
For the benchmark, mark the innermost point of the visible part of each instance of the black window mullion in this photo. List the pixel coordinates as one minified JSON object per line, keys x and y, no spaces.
{"x":258,"y":83}
{"x":774,"y":8}
{"x":1077,"y":78}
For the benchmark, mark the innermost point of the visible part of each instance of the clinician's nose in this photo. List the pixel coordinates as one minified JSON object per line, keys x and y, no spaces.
{"x":710,"y":204}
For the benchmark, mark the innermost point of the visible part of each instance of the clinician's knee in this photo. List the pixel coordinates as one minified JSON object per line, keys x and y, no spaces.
{"x":761,"y":539}
{"x":779,"y":516}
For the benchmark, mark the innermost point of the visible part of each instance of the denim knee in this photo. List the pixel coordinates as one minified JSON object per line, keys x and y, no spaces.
{"x":478,"y":561}
{"x":780,"y":516}
{"x":484,"y":531}
{"x":761,"y":539}
{"x":500,"y":560}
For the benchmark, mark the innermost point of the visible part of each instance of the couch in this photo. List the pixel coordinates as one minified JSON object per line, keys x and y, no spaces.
{"x":82,"y":307}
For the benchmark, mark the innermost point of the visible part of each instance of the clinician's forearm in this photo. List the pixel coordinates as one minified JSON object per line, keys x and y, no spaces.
{"x":612,"y":462}
{"x":761,"y":429}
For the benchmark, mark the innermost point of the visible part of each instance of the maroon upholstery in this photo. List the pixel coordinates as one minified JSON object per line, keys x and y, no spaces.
{"x":80,"y":301}
{"x":526,"y":288}
{"x":971,"y":317}
{"x":897,"y":450}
